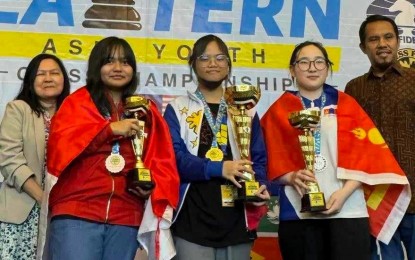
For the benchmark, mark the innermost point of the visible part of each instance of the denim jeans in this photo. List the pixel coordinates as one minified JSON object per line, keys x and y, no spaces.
{"x":404,"y":234}
{"x":78,"y":239}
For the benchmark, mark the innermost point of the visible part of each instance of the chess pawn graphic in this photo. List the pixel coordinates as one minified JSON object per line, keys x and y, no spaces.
{"x":112,"y":14}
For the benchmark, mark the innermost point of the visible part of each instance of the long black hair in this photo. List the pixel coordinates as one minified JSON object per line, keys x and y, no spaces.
{"x":27,"y":91}
{"x":102,"y":52}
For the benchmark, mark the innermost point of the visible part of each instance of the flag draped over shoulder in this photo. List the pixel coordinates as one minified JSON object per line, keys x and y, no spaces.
{"x":154,"y":232}
{"x":67,"y":143}
{"x":283,"y":148}
{"x":363,"y":155}
{"x":64,"y":145}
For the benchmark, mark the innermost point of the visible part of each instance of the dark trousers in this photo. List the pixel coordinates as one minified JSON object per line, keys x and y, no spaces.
{"x":320,"y":239}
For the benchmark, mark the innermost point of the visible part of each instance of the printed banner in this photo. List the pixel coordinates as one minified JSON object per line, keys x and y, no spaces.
{"x":261,"y":35}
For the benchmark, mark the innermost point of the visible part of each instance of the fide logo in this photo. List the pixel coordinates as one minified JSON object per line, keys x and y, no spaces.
{"x":112,"y":14}
{"x":406,"y":57}
{"x":402,"y":12}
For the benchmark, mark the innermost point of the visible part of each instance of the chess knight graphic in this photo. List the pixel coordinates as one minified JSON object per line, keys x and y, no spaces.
{"x":403,"y":13}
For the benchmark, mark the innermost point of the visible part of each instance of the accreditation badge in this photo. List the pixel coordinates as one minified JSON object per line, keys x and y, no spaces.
{"x":228,"y":193}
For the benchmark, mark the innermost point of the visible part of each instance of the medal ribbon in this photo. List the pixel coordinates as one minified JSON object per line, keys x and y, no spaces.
{"x":215,"y":126}
{"x":224,"y":136}
{"x":116,"y":146}
{"x":317,"y":133}
{"x":114,"y":163}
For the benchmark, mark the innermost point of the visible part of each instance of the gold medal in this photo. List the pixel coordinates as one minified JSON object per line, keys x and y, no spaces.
{"x":214,"y":154}
{"x":114,"y":163}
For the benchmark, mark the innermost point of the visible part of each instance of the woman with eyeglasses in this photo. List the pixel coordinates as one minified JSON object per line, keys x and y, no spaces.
{"x":209,"y":223}
{"x":348,"y":158}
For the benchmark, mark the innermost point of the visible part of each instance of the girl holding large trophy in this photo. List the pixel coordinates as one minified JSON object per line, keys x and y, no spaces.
{"x":210,"y":223}
{"x":329,"y":158}
{"x":96,"y":212}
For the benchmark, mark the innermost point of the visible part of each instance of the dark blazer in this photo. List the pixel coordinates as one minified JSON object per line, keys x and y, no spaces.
{"x":22,"y":155}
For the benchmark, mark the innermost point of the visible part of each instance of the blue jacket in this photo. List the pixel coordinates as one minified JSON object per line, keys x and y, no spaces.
{"x":184,"y":116}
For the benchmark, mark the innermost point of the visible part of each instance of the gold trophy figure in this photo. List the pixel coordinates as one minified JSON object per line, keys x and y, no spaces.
{"x":307,"y":120}
{"x":136,"y":106}
{"x":241,"y":98}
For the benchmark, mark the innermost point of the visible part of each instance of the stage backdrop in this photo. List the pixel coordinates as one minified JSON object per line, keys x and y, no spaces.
{"x":260,"y":34}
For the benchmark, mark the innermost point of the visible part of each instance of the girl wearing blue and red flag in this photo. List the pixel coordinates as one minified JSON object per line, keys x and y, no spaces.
{"x":351,"y":161}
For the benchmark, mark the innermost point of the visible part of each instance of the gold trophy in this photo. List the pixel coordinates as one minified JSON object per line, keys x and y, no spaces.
{"x":137,"y":106}
{"x":306,"y":120}
{"x":241,"y":98}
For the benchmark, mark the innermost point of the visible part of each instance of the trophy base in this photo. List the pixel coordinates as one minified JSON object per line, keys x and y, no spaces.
{"x":135,"y":179}
{"x":313,"y":202}
{"x":142,"y":185}
{"x":246,"y":193}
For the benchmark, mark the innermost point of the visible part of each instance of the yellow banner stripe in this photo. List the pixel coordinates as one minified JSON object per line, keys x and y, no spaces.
{"x":171,"y":51}
{"x":376,"y":196}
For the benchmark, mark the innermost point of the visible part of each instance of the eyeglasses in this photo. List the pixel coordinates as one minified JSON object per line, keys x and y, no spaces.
{"x":305,"y":65}
{"x":220,"y":59}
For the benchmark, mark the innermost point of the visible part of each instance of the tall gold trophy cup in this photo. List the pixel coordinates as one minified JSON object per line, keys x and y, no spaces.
{"x":306,"y":120}
{"x":241,"y":98}
{"x":137,"y":106}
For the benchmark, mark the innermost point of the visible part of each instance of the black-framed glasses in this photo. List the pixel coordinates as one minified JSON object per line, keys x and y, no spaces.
{"x":220,"y":59}
{"x":305,"y":65}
